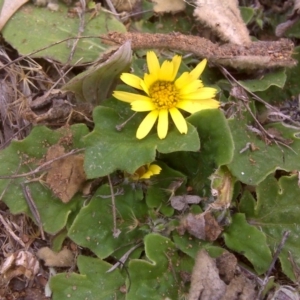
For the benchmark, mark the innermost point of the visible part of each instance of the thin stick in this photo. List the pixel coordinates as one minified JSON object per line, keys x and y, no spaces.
{"x":47,"y":47}
{"x":112,"y":8}
{"x":34,"y":210}
{"x":80,"y":31}
{"x":41,"y":167}
{"x":9,"y":230}
{"x":116,"y":231}
{"x":123,"y":259}
{"x":275,"y":257}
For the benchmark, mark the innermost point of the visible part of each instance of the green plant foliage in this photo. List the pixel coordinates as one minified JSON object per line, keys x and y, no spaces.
{"x":23,"y":157}
{"x":252,"y":167}
{"x":276,"y":211}
{"x":95,"y":84}
{"x":45,"y":27}
{"x":108,"y":149}
{"x":158,"y":277}
{"x":247,"y":13}
{"x":160,"y":189}
{"x":216,"y":149}
{"x":249,"y":241}
{"x":93,"y":282}
{"x":191,"y":245}
{"x":292,"y":87}
{"x":277,"y":78}
{"x":93,"y":226}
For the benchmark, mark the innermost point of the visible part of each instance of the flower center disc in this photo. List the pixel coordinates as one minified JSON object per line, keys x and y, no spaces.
{"x":164,"y":94}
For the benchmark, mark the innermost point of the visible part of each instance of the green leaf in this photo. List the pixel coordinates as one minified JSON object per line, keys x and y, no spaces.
{"x":159,"y":193}
{"x":292,"y":87}
{"x":191,"y":245}
{"x":216,"y":148}
{"x":108,"y":149}
{"x":93,"y":282}
{"x":277,"y":78}
{"x":45,"y":27}
{"x":247,"y":13}
{"x":25,"y":156}
{"x":95,"y":84}
{"x":249,"y":241}
{"x":252,"y":167}
{"x":158,"y":278}
{"x":277,"y":210}
{"x":93,"y":226}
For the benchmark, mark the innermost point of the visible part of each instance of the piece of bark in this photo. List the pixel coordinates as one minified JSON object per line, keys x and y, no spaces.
{"x":256,"y":55}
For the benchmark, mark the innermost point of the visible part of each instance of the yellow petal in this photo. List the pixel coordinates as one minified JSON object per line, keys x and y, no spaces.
{"x":201,"y":94}
{"x":152,"y":170}
{"x":147,"y":124}
{"x":166,"y":71}
{"x":141,"y":105}
{"x":155,"y":169}
{"x":149,"y":79}
{"x":132,"y":80}
{"x":152,"y":63}
{"x":195,"y":73}
{"x":145,"y":87}
{"x":176,"y":64}
{"x":193,"y":86}
{"x":178,"y":120}
{"x":129,"y":97}
{"x":194,"y":106}
{"x":183,"y":80}
{"x":146,"y":175}
{"x":162,"y":126}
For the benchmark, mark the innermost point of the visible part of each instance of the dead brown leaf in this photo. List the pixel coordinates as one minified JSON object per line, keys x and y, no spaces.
{"x":206,"y":283}
{"x":64,"y":258}
{"x":167,"y":6}
{"x":18,"y":264}
{"x":66,"y":176}
{"x":203,"y":226}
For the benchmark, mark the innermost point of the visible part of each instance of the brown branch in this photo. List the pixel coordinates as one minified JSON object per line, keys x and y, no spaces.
{"x":261,"y":54}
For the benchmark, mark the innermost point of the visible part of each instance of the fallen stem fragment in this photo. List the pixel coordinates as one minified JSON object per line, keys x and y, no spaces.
{"x":116,"y":231}
{"x":261,"y":54}
{"x":34,"y":210}
{"x":275,"y":257}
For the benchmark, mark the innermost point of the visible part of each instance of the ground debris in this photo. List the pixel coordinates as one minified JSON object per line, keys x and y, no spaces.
{"x":206,"y":282}
{"x":256,"y":55}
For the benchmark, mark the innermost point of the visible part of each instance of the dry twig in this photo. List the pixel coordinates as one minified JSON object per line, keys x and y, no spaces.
{"x":255,"y":55}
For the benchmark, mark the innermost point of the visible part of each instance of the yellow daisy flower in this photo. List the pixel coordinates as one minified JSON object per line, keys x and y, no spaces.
{"x":146,"y":171}
{"x":165,"y":94}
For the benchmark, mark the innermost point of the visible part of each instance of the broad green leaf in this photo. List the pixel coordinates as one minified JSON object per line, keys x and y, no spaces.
{"x":253,"y":166}
{"x":216,"y":148}
{"x":108,"y":149}
{"x":160,"y":189}
{"x":249,"y":241}
{"x":191,"y":245}
{"x":277,"y":210}
{"x":93,"y":282}
{"x":247,"y":13}
{"x":93,"y":226}
{"x":45,"y":27}
{"x":277,"y":78}
{"x":24,"y":156}
{"x":292,"y":87}
{"x":157,"y":276}
{"x":95,"y":84}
